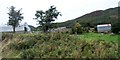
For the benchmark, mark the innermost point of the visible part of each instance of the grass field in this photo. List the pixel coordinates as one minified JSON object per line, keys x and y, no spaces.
{"x":60,"y":45}
{"x":98,"y":36}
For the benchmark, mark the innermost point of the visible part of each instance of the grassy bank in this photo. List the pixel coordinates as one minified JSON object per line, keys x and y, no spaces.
{"x":88,"y":45}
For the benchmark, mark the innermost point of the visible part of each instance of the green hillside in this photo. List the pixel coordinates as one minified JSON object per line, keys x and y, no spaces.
{"x":97,"y":17}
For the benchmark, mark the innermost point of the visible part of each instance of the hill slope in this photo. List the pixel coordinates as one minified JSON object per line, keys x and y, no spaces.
{"x":97,"y":17}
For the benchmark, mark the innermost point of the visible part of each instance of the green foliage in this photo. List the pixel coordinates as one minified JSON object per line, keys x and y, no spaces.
{"x":29,"y":53}
{"x":61,"y":45}
{"x":85,"y":29}
{"x":116,"y":27}
{"x":98,"y":36}
{"x":22,"y":45}
{"x":15,"y":16}
{"x":73,"y":30}
{"x":45,"y":18}
{"x":77,"y":29}
{"x":8,"y":35}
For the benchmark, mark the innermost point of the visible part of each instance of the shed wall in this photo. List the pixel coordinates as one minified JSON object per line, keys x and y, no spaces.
{"x":104,"y":29}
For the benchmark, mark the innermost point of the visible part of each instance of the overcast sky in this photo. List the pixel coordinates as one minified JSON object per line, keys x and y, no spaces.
{"x":69,"y":9}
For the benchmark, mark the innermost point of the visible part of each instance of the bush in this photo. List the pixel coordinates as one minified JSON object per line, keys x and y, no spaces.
{"x":85,"y":29}
{"x":73,"y":49}
{"x":29,"y":53}
{"x":116,"y":27}
{"x":22,"y":45}
{"x":7,"y":36}
{"x":73,"y":30}
{"x":60,"y":45}
{"x":76,"y":29}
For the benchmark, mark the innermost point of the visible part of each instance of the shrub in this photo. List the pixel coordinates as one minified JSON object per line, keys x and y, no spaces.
{"x":7,"y":36}
{"x":85,"y":29}
{"x":76,"y":29}
{"x":29,"y":53}
{"x":73,"y":30}
{"x":60,"y":45}
{"x":116,"y":27}
{"x":25,"y":44}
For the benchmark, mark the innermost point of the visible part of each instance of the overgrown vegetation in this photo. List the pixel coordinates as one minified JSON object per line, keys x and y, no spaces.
{"x":59,"y":45}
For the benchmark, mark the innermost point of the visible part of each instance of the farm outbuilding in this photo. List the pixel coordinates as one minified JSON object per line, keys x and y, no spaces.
{"x":104,"y":28}
{"x":20,"y":28}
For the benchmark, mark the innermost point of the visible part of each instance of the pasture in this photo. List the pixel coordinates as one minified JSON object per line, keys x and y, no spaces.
{"x":98,"y":36}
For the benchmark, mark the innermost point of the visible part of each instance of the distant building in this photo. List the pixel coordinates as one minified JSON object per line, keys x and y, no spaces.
{"x":104,"y":28}
{"x":20,"y":28}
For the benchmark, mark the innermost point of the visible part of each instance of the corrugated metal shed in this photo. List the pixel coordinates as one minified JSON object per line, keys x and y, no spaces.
{"x":104,"y":28}
{"x":103,"y":25}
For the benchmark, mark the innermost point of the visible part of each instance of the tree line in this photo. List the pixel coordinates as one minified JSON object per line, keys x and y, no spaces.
{"x":44,"y":18}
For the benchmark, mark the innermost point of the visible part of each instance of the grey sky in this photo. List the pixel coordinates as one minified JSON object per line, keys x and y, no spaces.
{"x":69,"y":9}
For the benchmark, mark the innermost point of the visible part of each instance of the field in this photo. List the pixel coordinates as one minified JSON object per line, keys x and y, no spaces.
{"x":98,"y":36}
{"x":60,"y":45}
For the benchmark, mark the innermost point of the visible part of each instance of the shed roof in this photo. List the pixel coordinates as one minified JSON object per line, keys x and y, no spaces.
{"x":103,"y":25}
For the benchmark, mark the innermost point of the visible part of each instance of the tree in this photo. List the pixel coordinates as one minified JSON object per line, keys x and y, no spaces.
{"x":15,"y":16}
{"x":77,"y":28}
{"x":116,"y":27}
{"x":45,"y":18}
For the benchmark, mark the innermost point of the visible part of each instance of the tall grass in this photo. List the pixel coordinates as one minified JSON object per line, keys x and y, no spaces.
{"x":58,"y":45}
